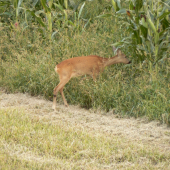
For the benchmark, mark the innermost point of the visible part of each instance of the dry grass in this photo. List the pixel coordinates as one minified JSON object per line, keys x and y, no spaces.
{"x":35,"y":137}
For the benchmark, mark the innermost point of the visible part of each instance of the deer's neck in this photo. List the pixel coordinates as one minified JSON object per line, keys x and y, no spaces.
{"x":110,"y":61}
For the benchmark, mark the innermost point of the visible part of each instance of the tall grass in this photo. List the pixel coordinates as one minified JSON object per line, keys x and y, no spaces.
{"x":131,"y":90}
{"x":28,"y":60}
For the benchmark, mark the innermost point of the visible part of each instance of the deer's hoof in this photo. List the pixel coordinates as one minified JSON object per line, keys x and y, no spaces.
{"x":53,"y":107}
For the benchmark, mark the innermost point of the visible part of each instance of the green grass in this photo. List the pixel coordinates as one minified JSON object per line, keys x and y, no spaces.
{"x":130,"y":90}
{"x":28,"y":60}
{"x":29,"y":141}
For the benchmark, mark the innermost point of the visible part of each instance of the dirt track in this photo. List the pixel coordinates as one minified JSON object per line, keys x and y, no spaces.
{"x":135,"y":130}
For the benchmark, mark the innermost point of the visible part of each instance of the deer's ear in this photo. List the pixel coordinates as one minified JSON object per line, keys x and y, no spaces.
{"x":119,"y":52}
{"x":114,"y":48}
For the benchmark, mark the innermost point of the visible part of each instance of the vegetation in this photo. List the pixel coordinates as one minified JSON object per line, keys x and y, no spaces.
{"x":148,"y":24}
{"x":36,"y":35}
{"x":31,"y":141}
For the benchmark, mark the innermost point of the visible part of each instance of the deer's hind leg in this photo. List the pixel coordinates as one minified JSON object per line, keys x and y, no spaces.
{"x":60,"y":87}
{"x":62,"y":94}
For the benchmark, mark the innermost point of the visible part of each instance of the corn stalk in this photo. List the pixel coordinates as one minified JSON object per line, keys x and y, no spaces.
{"x":47,"y":9}
{"x":149,"y":26}
{"x":17,"y":4}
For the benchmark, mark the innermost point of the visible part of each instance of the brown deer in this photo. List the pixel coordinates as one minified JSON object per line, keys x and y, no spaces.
{"x":78,"y":66}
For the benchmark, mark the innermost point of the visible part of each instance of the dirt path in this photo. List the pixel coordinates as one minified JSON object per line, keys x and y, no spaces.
{"x":135,"y":130}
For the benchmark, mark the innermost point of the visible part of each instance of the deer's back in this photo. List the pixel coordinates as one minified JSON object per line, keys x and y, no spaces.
{"x":80,"y":65}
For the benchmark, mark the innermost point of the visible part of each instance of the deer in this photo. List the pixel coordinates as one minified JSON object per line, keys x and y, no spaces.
{"x":91,"y":65}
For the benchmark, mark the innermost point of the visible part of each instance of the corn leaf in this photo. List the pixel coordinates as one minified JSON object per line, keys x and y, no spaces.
{"x":104,"y":16}
{"x":144,"y":31}
{"x":118,"y":3}
{"x":138,"y":5}
{"x":46,"y":8}
{"x":151,"y":24}
{"x":59,"y":7}
{"x":4,"y":2}
{"x":163,"y":15}
{"x":81,"y":9}
{"x":6,"y":13}
{"x":165,"y":23}
{"x":114,"y":4}
{"x":121,"y":11}
{"x":39,"y":19}
{"x":144,"y":23}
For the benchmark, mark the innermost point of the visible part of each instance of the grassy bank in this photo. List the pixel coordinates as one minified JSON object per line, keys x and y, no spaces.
{"x":28,"y":59}
{"x":131,"y":90}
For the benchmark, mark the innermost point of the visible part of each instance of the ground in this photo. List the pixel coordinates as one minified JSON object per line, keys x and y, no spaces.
{"x":137,"y":131}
